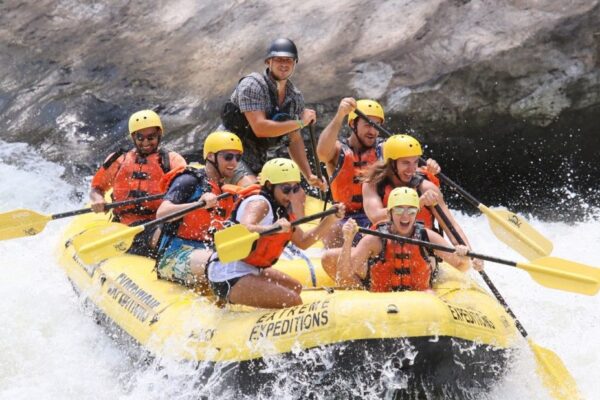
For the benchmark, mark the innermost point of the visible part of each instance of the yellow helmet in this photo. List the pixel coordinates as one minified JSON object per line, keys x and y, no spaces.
{"x":144,"y":119}
{"x":399,"y":146}
{"x":403,"y":196}
{"x":370,"y":108}
{"x":222,"y":140}
{"x":279,"y":170}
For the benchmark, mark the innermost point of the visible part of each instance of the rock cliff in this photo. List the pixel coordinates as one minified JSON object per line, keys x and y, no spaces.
{"x":506,"y":94}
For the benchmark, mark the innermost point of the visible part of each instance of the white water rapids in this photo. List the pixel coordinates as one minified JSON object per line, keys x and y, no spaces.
{"x":50,"y":348}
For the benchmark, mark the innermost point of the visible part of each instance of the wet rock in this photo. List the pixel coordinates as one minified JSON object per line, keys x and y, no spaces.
{"x":500,"y":91}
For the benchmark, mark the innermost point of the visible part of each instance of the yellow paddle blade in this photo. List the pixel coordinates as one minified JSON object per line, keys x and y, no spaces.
{"x":557,"y":273}
{"x":554,"y":374}
{"x":516,"y":232}
{"x":234,"y":243}
{"x":19,"y":223}
{"x":97,"y":244}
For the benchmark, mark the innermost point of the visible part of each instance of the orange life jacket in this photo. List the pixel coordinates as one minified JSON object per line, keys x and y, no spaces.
{"x":136,"y":176}
{"x":201,"y":223}
{"x":346,"y":186}
{"x":267,"y":249}
{"x":425,"y":215}
{"x":400,"y":266}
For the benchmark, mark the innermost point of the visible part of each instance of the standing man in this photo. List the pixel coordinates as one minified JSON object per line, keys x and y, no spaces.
{"x":134,"y":174}
{"x":267,"y":112}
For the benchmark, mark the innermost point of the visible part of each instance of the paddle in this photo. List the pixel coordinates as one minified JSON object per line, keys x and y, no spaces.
{"x":509,"y":227}
{"x":552,"y":272}
{"x":235,"y":243}
{"x":552,"y":370}
{"x":313,"y":148}
{"x":22,"y":222}
{"x":111,"y":240}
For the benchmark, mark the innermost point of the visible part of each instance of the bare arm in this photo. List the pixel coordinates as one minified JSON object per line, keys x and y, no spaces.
{"x":255,"y":212}
{"x":304,"y":239}
{"x":266,"y":128}
{"x":372,"y":204}
{"x":347,"y":265}
{"x":427,"y":186}
{"x":97,"y":200}
{"x":167,"y":207}
{"x":460,"y":262}
{"x":328,"y":147}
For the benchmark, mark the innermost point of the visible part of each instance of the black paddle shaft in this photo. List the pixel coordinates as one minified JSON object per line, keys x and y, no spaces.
{"x":302,"y":220}
{"x":455,"y":186}
{"x":313,"y":145}
{"x":434,"y":246}
{"x":184,"y":211}
{"x":109,"y":206}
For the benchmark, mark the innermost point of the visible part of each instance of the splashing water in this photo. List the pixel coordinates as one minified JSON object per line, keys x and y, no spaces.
{"x":51,"y":346}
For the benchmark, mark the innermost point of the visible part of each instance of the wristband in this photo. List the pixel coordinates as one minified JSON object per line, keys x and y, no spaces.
{"x":300,"y":124}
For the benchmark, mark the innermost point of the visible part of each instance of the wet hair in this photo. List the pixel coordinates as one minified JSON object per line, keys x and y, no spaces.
{"x":379,"y":171}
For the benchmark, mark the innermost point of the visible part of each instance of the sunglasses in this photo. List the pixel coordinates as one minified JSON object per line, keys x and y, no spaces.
{"x":412,"y":211}
{"x":140,"y":137}
{"x":287,"y":188}
{"x":230,"y":156}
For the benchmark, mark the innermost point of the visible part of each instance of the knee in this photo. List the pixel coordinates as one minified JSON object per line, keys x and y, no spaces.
{"x":293,"y":299}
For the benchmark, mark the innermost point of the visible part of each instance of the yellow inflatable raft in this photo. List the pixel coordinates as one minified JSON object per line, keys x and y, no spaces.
{"x":454,"y":339}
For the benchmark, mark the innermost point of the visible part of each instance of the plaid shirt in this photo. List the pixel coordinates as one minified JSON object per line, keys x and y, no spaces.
{"x":252,"y":94}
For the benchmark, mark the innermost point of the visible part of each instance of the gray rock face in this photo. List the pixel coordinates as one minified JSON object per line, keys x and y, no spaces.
{"x":501,"y":91}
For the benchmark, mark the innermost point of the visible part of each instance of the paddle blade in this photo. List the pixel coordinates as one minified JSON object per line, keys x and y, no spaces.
{"x":234,"y":243}
{"x":516,"y":232}
{"x":19,"y":223}
{"x":100,"y":243}
{"x":557,"y":273}
{"x":554,"y":374}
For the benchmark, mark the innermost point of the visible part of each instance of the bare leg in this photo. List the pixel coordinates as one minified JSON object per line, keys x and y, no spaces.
{"x":333,"y":237}
{"x":198,"y":260}
{"x":265,"y":291}
{"x":282,"y":278}
{"x":329,"y":262}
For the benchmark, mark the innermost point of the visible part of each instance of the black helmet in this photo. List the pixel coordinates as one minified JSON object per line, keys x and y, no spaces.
{"x":282,"y":48}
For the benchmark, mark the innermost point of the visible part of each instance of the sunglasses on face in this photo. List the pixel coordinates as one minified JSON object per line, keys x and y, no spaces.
{"x":412,"y":211}
{"x":141,"y":137}
{"x":287,"y":188}
{"x":230,"y":156}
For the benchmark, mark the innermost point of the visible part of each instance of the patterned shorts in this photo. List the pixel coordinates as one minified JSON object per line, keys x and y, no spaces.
{"x":175,"y":263}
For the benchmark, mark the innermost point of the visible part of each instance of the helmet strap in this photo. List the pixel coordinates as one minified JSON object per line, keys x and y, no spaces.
{"x":215,"y":164}
{"x":395,"y":169}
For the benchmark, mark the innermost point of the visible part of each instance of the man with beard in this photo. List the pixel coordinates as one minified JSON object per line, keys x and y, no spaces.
{"x":346,"y":159}
{"x":134,"y":174}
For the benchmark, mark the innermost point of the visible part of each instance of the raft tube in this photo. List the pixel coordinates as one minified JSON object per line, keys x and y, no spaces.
{"x":453,"y":341}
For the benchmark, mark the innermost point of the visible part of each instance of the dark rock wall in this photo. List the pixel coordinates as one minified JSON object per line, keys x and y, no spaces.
{"x":506,"y":94}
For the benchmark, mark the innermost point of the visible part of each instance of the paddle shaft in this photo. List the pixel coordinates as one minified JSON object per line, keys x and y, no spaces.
{"x":484,"y":275}
{"x":313,"y":148}
{"x":302,"y":220}
{"x":179,"y":213}
{"x":436,"y":246}
{"x":108,"y":206}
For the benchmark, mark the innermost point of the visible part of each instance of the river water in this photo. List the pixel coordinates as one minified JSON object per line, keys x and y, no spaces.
{"x":51,"y":348}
